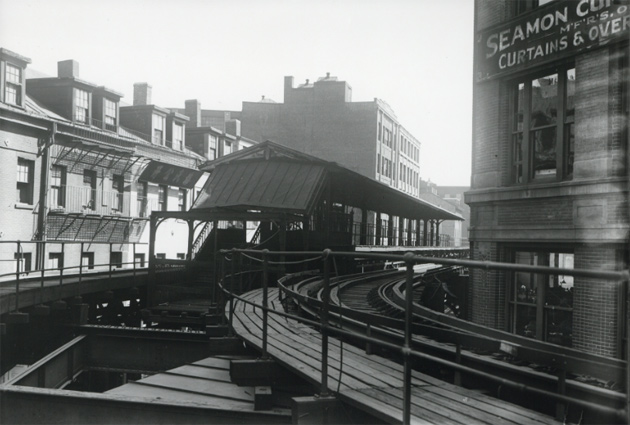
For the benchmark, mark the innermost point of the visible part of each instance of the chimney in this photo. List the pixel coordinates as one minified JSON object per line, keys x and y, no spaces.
{"x":233,"y":127}
{"x":68,"y":69}
{"x":141,"y":94}
{"x":288,"y":87}
{"x":193,"y":111}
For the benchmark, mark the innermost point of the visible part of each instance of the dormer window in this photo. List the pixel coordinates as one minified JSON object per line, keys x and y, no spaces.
{"x":13,"y":86}
{"x":81,"y":106}
{"x":178,"y":137}
{"x":111,"y":115}
{"x":159,"y":123}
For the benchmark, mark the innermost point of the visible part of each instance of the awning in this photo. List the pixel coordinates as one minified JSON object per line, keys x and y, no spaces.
{"x":276,"y":185}
{"x":172,"y":175}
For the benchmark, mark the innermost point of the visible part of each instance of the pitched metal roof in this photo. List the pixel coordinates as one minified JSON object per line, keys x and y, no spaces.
{"x":276,"y":185}
{"x":271,"y":177}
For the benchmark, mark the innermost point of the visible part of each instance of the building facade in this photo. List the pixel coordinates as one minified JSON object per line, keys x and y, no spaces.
{"x":321,"y":119}
{"x":81,"y":173}
{"x":550,"y":168}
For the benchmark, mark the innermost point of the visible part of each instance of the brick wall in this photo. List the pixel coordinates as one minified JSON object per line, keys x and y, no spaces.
{"x":595,"y":302}
{"x":544,"y":211}
{"x":486,"y":290}
{"x":591,"y":112}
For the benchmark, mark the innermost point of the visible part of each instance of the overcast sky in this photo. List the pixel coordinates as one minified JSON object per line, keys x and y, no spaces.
{"x":414,"y":54}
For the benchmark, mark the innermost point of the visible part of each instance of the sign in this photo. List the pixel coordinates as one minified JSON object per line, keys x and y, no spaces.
{"x":172,"y":175}
{"x":555,"y":31}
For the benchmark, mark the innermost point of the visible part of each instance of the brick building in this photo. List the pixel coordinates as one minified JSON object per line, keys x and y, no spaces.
{"x":77,"y":166}
{"x":550,"y":168}
{"x":321,"y":119}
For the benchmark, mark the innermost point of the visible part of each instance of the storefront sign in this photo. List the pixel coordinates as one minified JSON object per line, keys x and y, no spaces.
{"x":172,"y":175}
{"x":552,"y":32}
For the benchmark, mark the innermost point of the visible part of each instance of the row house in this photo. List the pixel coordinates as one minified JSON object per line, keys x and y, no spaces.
{"x":82,"y":173}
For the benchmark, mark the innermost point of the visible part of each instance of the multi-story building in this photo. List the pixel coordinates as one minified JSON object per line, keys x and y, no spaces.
{"x":72,"y":173}
{"x":450,"y":198}
{"x":212,"y":134}
{"x":550,"y":168}
{"x":321,"y":119}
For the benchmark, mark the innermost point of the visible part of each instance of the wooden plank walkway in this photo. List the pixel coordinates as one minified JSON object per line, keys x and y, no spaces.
{"x":205,"y":383}
{"x":369,"y":382}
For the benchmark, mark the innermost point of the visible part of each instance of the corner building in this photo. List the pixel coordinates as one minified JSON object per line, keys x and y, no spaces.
{"x":549,"y":179}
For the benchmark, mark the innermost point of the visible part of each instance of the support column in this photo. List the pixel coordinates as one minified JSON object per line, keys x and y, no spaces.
{"x":191,"y":234}
{"x":425,"y":236}
{"x":378,"y":226}
{"x":401,"y":231}
{"x":432,"y":237}
{"x":409,"y":231}
{"x":437,"y":232}
{"x":364,"y":219}
{"x":417,"y":232}
{"x":283,"y":243}
{"x":152,"y":284}
{"x":390,"y":230}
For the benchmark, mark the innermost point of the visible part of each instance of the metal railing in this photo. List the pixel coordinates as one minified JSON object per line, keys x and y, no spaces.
{"x":201,"y":238}
{"x":85,"y":200}
{"x":409,"y":236}
{"x":66,"y":263}
{"x":405,"y":350}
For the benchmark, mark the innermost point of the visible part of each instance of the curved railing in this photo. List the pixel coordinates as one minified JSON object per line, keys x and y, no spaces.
{"x":62,"y":271}
{"x":236,"y":256}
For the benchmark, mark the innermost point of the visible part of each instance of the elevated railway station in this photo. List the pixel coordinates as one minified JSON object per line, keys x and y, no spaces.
{"x":308,"y":294}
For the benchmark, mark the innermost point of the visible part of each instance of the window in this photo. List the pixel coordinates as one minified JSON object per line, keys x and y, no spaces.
{"x":25,"y":177}
{"x":89,"y":189}
{"x":541,"y":306}
{"x":87,"y":260}
{"x":143,"y":190}
{"x":115,"y":259}
{"x":118,"y":187}
{"x":158,"y":129}
{"x":178,"y":137}
{"x":181,"y":200}
{"x":58,"y":186}
{"x":522,"y":6}
{"x":543,"y":129}
{"x":228,"y":148}
{"x":212,"y":147}
{"x":23,"y":261}
{"x":111,"y":115}
{"x":81,"y":106}
{"x":162,"y":197}
{"x":13,"y":85}
{"x":55,"y":260}
{"x":138,"y":259}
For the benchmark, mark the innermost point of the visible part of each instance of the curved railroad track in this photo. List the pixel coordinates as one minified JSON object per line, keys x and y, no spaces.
{"x":374,"y":302}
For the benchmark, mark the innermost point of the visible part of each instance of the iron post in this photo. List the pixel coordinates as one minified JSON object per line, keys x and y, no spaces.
{"x":265,"y":284}
{"x":324,"y":323}
{"x":409,"y":261}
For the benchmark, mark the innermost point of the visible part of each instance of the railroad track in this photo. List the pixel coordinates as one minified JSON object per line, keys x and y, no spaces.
{"x":374,"y":302}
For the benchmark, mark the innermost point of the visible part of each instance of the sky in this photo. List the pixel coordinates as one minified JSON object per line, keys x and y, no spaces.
{"x":416,"y":55}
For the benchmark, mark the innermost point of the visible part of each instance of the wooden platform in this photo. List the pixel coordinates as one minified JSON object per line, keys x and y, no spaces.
{"x":369,"y":382}
{"x":204,"y":383}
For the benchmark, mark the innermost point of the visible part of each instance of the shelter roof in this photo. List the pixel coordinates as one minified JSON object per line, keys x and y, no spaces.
{"x":271,"y":177}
